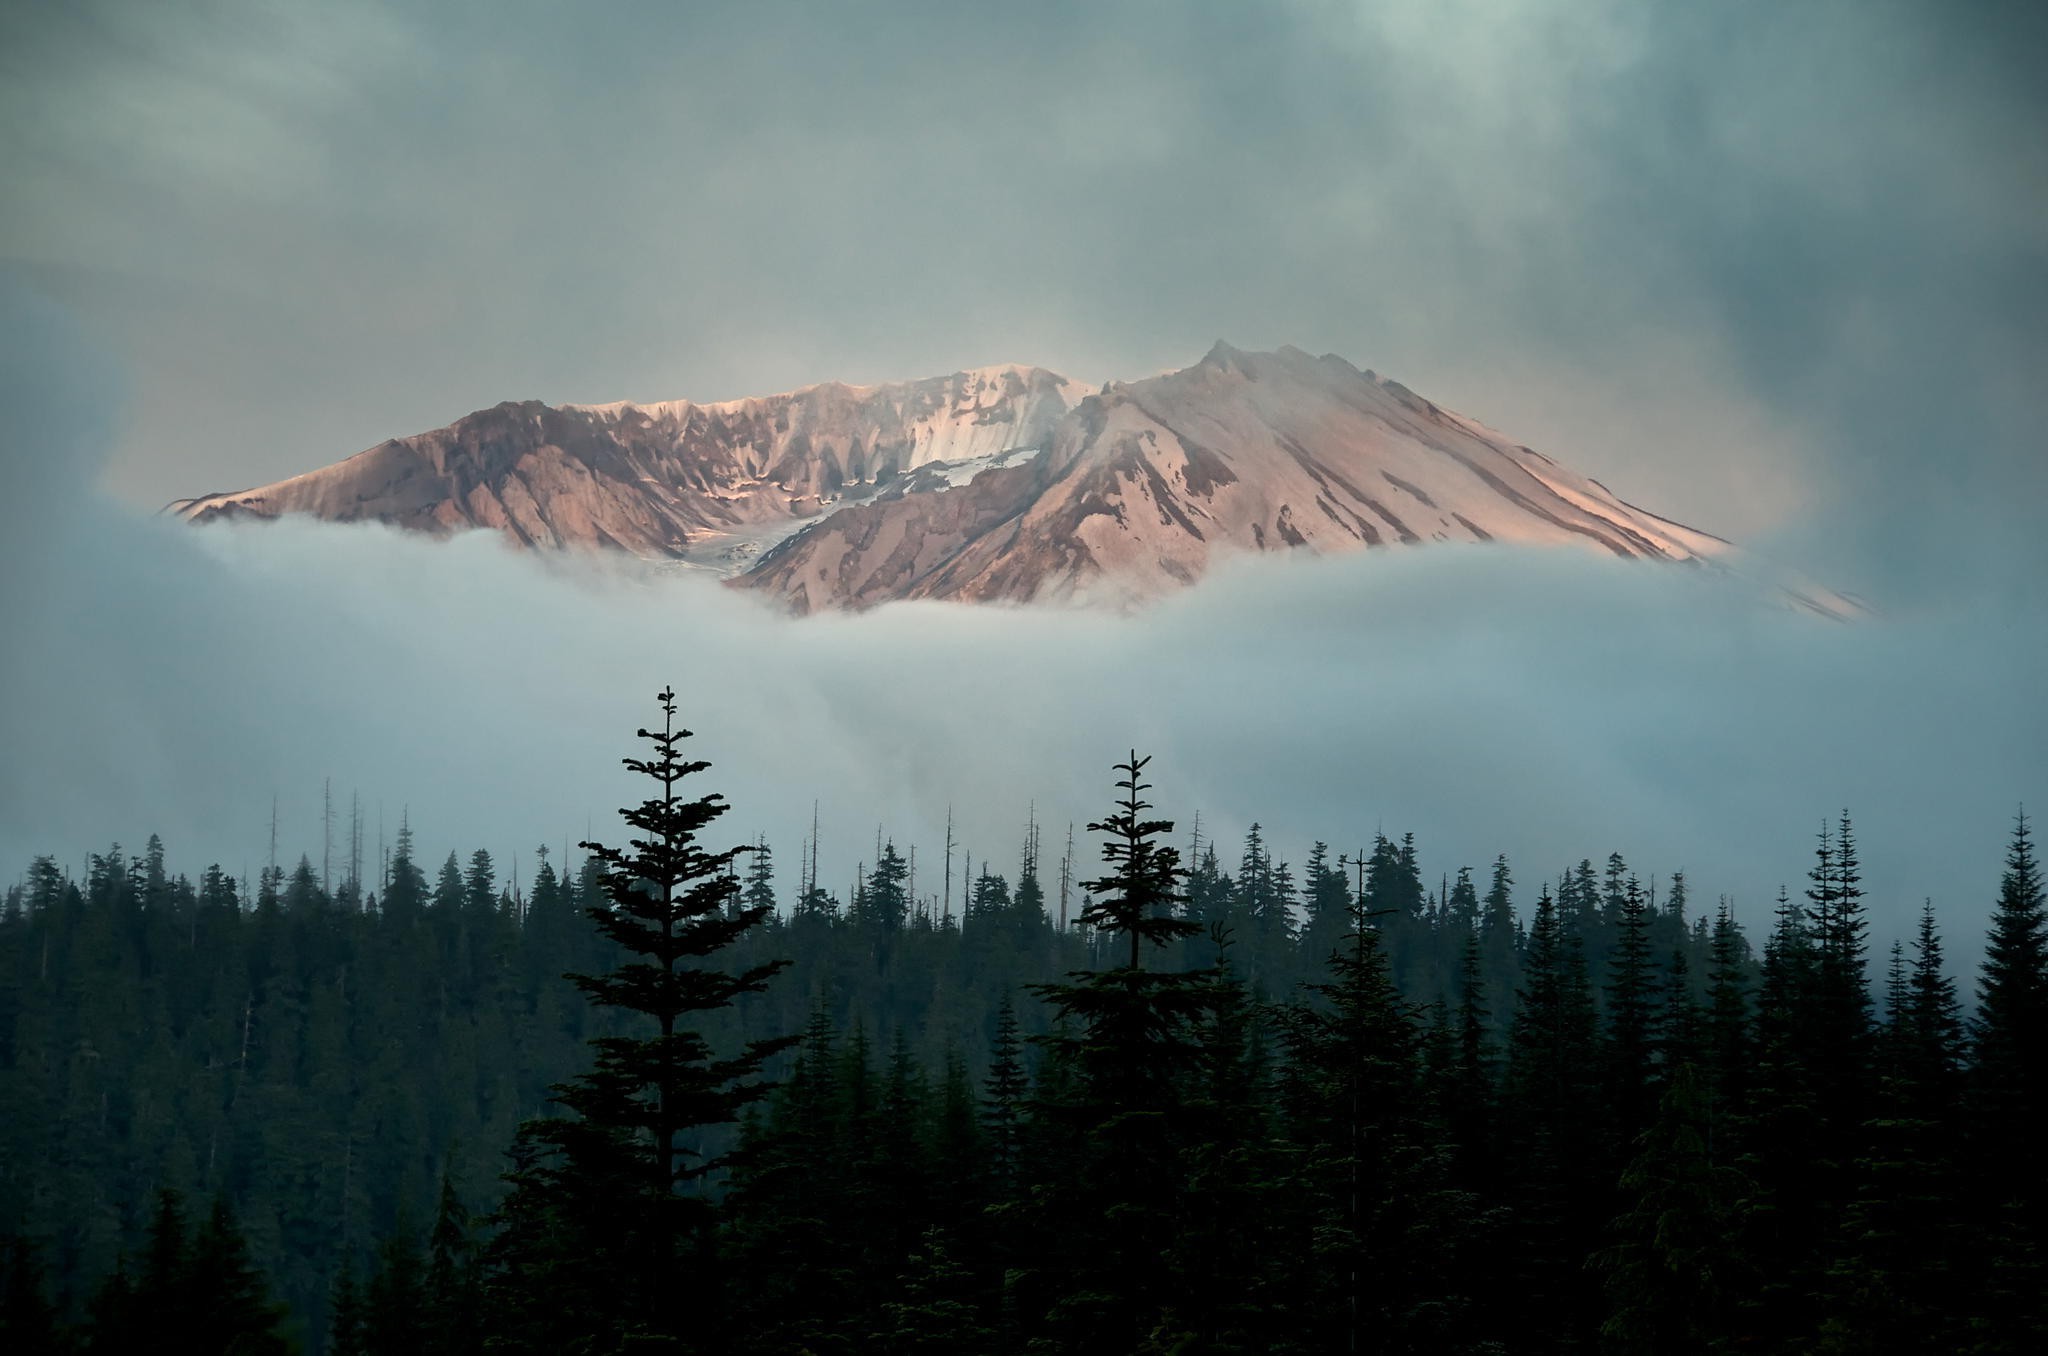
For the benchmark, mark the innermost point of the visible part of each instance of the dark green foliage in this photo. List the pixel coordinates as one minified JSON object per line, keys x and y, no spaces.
{"x":345,"y":1336}
{"x":2011,"y":1027}
{"x":1386,"y":1233}
{"x":190,"y":1292}
{"x":2008,"y":1090}
{"x":1727,"y":1018}
{"x":395,"y":1314}
{"x":28,"y":1320}
{"x":1564,"y":1187}
{"x":1131,"y":1039}
{"x":1894,"y":1274}
{"x":1307,"y":1130}
{"x":935,"y":1311}
{"x":883,"y":904}
{"x":1003,"y":1105}
{"x":1632,"y":1016}
{"x":1668,"y":1275}
{"x":613,"y":1192}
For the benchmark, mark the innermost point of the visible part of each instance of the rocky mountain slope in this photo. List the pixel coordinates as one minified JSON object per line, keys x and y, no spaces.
{"x":671,"y":480}
{"x":1007,"y":483}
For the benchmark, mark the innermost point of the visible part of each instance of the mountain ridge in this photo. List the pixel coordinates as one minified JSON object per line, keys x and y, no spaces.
{"x":1007,"y":483}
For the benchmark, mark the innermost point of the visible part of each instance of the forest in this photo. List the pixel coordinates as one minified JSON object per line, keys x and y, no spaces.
{"x":1200,"y":1101}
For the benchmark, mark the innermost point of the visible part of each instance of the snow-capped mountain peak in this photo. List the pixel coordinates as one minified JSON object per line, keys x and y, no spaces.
{"x":1007,"y":482}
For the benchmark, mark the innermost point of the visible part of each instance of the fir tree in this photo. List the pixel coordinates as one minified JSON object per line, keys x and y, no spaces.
{"x":405,"y":892}
{"x":1469,"y":1094}
{"x":1790,"y":1175}
{"x":1384,"y":1227}
{"x":790,"y":1212}
{"x":617,"y":1181}
{"x":1727,"y":1016}
{"x":2009,"y":1099}
{"x":451,"y":1309}
{"x":1327,"y":900}
{"x":1891,"y":1284}
{"x":196,"y":1292}
{"x":28,"y":1320}
{"x":480,"y":884}
{"x":1563,"y":1188}
{"x":933,"y":1312}
{"x":1632,"y":1034}
{"x":1132,"y":1041}
{"x":760,"y":888}
{"x":1667,"y":1276}
{"x":395,"y":1312}
{"x":883,"y":903}
{"x":1003,"y":1100}
{"x":2011,"y":1025}
{"x":345,"y":1336}
{"x":1838,"y":1019}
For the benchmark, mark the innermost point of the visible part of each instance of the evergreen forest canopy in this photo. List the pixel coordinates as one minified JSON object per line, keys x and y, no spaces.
{"x":666,"y":1102}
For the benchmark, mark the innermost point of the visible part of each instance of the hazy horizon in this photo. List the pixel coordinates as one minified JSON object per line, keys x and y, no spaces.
{"x":1776,"y":272}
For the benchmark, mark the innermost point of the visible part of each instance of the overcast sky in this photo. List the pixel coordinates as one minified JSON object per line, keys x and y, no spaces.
{"x":1778,"y":270}
{"x":1743,"y":261}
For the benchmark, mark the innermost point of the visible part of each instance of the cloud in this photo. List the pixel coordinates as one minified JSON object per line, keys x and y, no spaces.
{"x":1777,"y":270}
{"x":1546,"y":705}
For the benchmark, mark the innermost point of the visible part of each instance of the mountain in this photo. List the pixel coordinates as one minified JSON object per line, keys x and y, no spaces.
{"x":675,"y":480}
{"x":1004,"y":483}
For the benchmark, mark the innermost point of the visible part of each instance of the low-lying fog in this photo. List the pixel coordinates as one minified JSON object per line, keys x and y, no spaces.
{"x":160,"y":678}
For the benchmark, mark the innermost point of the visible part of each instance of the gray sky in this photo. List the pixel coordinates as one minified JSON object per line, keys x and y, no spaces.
{"x":1775,"y":268}
{"x":1779,"y":270}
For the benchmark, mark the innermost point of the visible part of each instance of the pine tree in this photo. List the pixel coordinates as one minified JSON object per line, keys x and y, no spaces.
{"x":1632,"y":1034}
{"x":395,"y":1313}
{"x":405,"y":892}
{"x":1564,"y":1186}
{"x":933,"y":1312}
{"x":1469,"y":1096}
{"x":959,"y":1153}
{"x":1499,"y":943}
{"x":451,"y":1280}
{"x":1839,"y":1030}
{"x":1026,"y":916}
{"x":1003,"y":1101}
{"x":2011,"y":1026}
{"x":760,"y":889}
{"x":2009,"y":1099}
{"x":480,"y":885}
{"x":28,"y":1320}
{"x":345,"y":1336}
{"x":617,"y":1182}
{"x":196,"y":1292}
{"x":1328,"y":903}
{"x":1790,"y":1185}
{"x":1368,"y":1181}
{"x":1131,"y":1041}
{"x":1893,"y":1282}
{"x":792,"y":1218}
{"x":1666,"y":1277}
{"x":1727,"y":1017}
{"x":1227,"y":1299}
{"x":883,"y":903}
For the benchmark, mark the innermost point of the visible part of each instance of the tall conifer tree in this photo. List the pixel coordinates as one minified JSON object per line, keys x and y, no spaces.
{"x":616,"y":1183}
{"x":1131,"y":1040}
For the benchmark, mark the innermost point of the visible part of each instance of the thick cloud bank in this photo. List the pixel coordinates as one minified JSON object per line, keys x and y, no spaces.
{"x":1770,"y":268}
{"x":1550,"y":706}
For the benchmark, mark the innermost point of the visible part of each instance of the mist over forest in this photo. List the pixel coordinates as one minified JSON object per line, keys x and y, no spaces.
{"x":1508,"y":950}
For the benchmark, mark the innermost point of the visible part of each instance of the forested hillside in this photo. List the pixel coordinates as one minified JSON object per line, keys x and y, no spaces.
{"x":1189,"y":1100}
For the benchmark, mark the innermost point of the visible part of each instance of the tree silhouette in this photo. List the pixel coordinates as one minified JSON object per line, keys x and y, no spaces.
{"x":609,"y":1195}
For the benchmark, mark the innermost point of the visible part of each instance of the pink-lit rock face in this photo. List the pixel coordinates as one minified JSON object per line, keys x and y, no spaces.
{"x":1004,"y":484}
{"x":669,"y":480}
